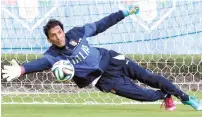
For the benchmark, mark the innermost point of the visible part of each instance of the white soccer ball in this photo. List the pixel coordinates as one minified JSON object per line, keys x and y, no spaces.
{"x":63,"y":70}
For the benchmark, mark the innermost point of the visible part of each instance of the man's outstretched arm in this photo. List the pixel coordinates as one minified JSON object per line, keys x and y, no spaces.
{"x":15,"y":70}
{"x":114,"y":18}
{"x":103,"y":24}
{"x":92,"y":29}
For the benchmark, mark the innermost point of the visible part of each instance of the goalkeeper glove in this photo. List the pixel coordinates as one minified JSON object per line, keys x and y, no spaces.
{"x":132,"y":9}
{"x":13,"y":71}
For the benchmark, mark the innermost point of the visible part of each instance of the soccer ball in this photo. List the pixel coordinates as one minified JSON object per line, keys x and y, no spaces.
{"x":63,"y":70}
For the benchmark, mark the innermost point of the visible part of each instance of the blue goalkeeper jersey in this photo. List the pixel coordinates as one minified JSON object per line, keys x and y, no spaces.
{"x":89,"y":62}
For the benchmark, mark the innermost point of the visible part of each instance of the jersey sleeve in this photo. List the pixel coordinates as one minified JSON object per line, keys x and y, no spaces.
{"x":37,"y":65}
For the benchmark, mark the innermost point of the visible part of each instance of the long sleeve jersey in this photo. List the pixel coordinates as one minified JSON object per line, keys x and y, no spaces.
{"x":89,"y":62}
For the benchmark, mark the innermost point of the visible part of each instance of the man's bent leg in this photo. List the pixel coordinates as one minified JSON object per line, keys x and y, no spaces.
{"x":134,"y":71}
{"x":126,"y":88}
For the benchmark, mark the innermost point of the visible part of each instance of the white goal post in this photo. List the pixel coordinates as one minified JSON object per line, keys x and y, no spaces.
{"x":165,"y":38}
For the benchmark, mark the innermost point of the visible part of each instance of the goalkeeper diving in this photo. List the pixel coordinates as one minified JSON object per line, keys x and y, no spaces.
{"x":108,"y":70}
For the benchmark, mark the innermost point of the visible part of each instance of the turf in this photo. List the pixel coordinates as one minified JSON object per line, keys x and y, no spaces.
{"x":88,"y":110}
{"x":152,"y":110}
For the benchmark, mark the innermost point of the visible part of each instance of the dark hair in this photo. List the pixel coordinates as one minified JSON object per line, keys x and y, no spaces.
{"x":50,"y":24}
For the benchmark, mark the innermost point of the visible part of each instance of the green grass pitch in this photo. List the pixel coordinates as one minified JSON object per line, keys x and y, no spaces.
{"x":92,"y":110}
{"x":135,"y":110}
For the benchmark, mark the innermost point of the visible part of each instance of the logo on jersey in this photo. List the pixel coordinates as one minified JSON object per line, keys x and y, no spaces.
{"x":73,"y":43}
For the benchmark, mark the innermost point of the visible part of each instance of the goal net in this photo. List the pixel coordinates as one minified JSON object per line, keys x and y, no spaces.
{"x":165,"y":38}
